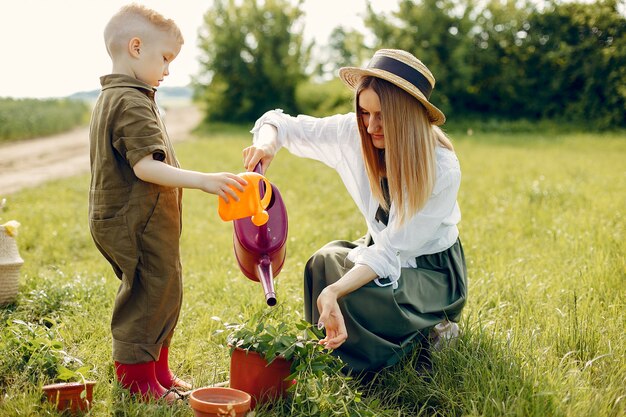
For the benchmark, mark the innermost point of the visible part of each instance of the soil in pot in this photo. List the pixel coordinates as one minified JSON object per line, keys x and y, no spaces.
{"x":67,"y":395}
{"x":250,"y":372}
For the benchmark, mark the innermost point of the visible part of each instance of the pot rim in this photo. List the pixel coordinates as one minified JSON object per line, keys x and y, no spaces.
{"x":251,"y":350}
{"x":241,"y":400}
{"x":61,"y":385}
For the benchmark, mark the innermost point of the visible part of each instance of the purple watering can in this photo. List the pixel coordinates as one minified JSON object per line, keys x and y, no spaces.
{"x":260,"y":250}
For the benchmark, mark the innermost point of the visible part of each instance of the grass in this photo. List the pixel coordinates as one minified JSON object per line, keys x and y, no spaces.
{"x":543,"y":232}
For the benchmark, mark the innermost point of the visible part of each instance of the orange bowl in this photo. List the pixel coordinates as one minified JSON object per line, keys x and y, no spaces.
{"x":219,"y":402}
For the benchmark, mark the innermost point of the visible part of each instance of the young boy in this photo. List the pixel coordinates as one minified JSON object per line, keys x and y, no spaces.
{"x":135,"y":199}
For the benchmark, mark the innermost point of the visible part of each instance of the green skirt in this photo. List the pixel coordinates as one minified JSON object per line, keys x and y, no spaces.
{"x":383,"y":323}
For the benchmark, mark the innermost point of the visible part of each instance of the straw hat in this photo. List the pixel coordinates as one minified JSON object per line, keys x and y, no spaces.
{"x":403,"y":70}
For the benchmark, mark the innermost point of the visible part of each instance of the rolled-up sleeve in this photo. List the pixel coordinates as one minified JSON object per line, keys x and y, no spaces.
{"x":139,"y":134}
{"x":395,"y":245}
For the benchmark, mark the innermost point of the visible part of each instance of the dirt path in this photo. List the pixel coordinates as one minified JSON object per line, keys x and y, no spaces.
{"x":31,"y":162}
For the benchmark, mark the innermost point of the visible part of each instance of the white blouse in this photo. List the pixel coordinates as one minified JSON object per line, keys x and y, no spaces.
{"x":335,"y":141}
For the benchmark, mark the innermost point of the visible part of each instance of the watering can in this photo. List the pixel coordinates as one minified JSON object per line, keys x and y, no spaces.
{"x":260,"y":249}
{"x":251,"y":201}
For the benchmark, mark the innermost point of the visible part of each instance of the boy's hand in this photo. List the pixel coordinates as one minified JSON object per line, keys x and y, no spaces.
{"x":220,"y":184}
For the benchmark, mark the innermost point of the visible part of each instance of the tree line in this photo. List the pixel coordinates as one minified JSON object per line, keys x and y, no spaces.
{"x":495,"y":59}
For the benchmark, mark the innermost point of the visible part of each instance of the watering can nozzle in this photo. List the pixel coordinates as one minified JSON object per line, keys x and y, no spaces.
{"x":267,"y":279}
{"x":270,"y":298}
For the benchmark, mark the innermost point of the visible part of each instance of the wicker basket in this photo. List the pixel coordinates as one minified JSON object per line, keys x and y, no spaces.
{"x":10,"y":264}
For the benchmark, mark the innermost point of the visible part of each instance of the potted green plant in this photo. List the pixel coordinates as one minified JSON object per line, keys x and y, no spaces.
{"x":38,"y":355}
{"x":74,"y":393}
{"x":70,"y":390}
{"x":271,"y":358}
{"x":261,"y":359}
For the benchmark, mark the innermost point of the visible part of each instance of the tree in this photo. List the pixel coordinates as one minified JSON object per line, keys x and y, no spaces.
{"x":512,"y":59}
{"x":580,"y":62}
{"x":500,"y":84}
{"x":438,"y":33}
{"x":563,"y":61}
{"x":253,"y":58}
{"x":345,"y":49}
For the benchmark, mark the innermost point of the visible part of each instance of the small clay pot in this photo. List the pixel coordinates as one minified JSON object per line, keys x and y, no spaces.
{"x":219,"y":402}
{"x":67,"y":395}
{"x":250,"y":372}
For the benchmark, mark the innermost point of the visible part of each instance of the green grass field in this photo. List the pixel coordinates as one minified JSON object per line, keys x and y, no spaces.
{"x":30,"y":118}
{"x":543,"y":232}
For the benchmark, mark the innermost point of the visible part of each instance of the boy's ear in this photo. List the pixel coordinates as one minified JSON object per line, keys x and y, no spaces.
{"x":134,"y":46}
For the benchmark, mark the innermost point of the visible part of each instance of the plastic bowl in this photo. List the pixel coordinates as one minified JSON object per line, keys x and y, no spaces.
{"x":219,"y":402}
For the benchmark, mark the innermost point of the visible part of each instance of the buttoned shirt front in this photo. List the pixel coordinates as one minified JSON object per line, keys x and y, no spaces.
{"x":126,"y":127}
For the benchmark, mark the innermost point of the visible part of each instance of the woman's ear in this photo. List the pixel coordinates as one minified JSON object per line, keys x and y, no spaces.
{"x":134,"y":46}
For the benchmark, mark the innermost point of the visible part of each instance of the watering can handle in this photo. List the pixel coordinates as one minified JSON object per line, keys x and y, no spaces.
{"x":264,"y":195}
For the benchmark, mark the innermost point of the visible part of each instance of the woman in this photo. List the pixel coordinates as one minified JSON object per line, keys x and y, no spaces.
{"x":381,"y":296}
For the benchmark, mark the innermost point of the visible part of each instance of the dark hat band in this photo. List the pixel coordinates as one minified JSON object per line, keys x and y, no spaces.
{"x":404,"y":71}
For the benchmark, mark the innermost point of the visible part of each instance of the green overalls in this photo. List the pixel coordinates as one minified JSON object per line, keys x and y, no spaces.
{"x":136,"y":225}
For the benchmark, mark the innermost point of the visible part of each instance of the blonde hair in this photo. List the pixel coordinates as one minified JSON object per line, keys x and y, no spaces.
{"x":408,"y":160}
{"x":136,"y":20}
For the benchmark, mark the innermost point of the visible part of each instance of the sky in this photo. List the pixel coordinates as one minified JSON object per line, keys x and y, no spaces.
{"x":54,"y":48}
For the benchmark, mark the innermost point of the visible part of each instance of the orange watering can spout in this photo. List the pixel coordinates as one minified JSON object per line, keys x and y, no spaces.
{"x":250,"y":203}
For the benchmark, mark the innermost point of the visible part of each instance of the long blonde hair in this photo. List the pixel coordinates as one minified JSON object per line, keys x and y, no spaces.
{"x":408,"y":160}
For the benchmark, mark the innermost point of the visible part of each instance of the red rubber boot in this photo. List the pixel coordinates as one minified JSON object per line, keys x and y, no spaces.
{"x":141,"y":378}
{"x":164,"y":374}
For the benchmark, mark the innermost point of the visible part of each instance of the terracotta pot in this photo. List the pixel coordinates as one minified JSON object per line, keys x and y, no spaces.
{"x":250,"y":372}
{"x":219,"y":402}
{"x":67,"y":395}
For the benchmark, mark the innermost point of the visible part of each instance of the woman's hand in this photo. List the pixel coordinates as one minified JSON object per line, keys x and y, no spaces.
{"x":263,"y":150}
{"x":330,"y":314}
{"x":253,"y":154}
{"x":332,"y":319}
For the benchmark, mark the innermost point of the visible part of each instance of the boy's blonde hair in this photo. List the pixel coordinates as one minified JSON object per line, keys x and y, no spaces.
{"x":136,"y":20}
{"x":408,"y":159}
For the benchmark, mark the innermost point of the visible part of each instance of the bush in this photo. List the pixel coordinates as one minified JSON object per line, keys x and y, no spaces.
{"x":324,"y":99}
{"x":511,"y":60}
